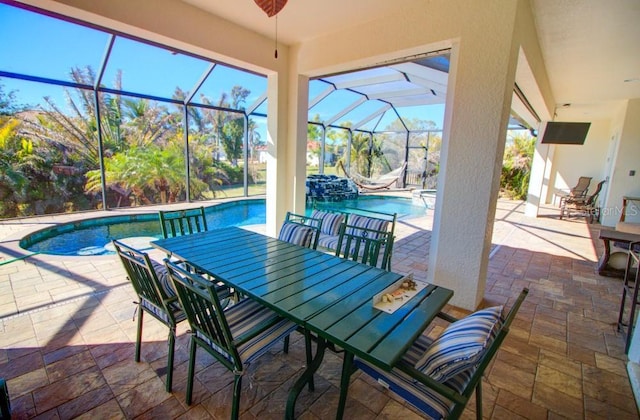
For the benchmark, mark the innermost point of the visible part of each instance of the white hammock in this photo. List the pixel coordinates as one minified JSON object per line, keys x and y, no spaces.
{"x":382,"y":182}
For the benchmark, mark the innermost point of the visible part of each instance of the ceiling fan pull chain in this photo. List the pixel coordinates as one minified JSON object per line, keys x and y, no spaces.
{"x":276,"y":46}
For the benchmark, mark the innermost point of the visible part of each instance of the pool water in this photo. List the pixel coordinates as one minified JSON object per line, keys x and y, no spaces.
{"x":404,"y":207}
{"x":94,"y":236}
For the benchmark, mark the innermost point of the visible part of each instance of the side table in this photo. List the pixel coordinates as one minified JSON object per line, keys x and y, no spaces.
{"x":615,"y":236}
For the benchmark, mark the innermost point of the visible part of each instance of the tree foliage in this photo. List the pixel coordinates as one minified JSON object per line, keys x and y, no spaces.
{"x":516,"y":167}
{"x":50,"y":155}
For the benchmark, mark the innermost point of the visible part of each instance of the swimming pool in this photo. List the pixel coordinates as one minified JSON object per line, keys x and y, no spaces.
{"x":94,"y":236}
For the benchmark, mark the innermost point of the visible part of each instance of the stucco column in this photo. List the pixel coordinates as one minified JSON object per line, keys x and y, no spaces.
{"x":297,"y":141}
{"x":621,"y":182}
{"x":286,"y":146}
{"x":481,"y":81}
{"x":278,"y":190}
{"x":539,"y":178}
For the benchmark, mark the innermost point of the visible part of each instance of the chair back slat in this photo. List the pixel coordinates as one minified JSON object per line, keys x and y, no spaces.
{"x":200,"y":301}
{"x":182,"y":222}
{"x":142,"y":275}
{"x":365,"y":245}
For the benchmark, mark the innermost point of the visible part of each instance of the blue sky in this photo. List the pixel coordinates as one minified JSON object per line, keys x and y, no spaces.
{"x":42,"y":46}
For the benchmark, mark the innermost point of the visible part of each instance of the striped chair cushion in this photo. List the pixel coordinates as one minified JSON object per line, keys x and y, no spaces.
{"x":163,"y":278}
{"x":245,"y":316}
{"x":296,"y":233}
{"x":330,"y":221}
{"x":460,"y":345}
{"x":328,"y":241}
{"x":160,"y":313}
{"x":424,"y":399}
{"x":331,"y":242}
{"x":356,"y":220}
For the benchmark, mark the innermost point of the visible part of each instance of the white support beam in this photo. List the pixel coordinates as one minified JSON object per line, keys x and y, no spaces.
{"x":416,"y":100}
{"x":371,"y":116}
{"x":346,"y":110}
{"x":256,"y":104}
{"x":365,"y":81}
{"x":424,"y":72}
{"x":313,"y":102}
{"x":399,"y":93}
{"x":440,"y":89}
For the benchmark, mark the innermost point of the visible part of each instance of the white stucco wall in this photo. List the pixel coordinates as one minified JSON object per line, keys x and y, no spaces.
{"x":627,"y":129}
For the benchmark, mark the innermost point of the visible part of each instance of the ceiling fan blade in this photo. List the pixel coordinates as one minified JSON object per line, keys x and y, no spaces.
{"x":271,"y":7}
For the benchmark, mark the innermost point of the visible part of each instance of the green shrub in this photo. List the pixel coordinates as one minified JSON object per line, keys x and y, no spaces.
{"x":516,"y":167}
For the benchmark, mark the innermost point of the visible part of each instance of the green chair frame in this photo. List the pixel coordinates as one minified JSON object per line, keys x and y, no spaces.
{"x":224,"y":332}
{"x":182,"y":222}
{"x":186,"y":222}
{"x":375,"y":214}
{"x":368,"y":246}
{"x":152,"y":299}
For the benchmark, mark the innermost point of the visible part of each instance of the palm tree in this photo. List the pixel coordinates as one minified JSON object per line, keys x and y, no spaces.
{"x":144,"y":173}
{"x":75,"y":133}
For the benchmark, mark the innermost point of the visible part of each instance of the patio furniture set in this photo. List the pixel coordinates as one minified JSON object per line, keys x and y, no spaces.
{"x":577,"y":201}
{"x":254,"y":291}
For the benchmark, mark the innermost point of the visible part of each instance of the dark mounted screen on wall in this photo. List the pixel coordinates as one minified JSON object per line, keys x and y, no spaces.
{"x":565,"y":132}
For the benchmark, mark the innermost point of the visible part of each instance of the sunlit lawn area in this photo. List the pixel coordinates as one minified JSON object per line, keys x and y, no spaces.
{"x":258,"y":188}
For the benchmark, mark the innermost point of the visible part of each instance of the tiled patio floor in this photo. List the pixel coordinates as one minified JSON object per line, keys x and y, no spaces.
{"x":67,"y":337}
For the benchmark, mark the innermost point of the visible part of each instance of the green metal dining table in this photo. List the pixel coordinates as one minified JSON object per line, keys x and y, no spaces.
{"x":325,"y":295}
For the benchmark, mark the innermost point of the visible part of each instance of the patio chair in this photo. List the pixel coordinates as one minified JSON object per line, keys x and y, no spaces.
{"x":579,"y":191}
{"x":583,"y":205}
{"x":235,"y":336}
{"x":301,"y":230}
{"x":182,"y":222}
{"x":155,"y":297}
{"x":439,"y":377}
{"x":365,"y":240}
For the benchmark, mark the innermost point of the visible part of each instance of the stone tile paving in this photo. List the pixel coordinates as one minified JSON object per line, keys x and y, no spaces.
{"x":67,"y":337}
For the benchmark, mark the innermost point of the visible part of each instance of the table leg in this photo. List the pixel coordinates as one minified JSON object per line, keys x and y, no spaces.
{"x":307,"y":377}
{"x":623,"y":213}
{"x":347,"y":368}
